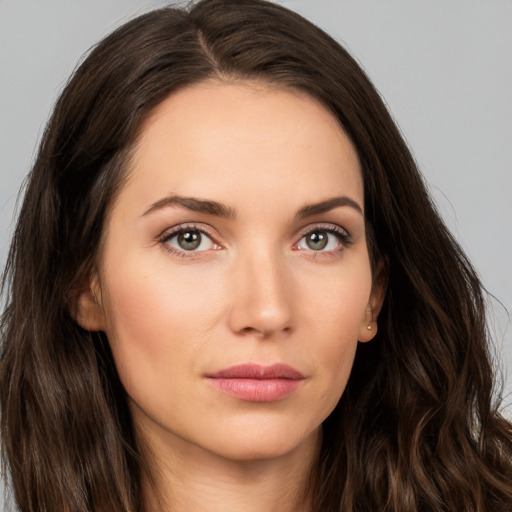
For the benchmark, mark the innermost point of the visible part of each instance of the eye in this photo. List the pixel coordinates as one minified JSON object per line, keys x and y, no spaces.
{"x":324,"y":240}
{"x":186,"y":239}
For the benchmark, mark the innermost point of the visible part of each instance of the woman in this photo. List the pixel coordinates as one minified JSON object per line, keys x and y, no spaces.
{"x":232,"y":304}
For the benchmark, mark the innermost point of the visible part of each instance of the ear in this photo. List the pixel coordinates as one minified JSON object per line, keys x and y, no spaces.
{"x":368,"y":327}
{"x":88,"y":311}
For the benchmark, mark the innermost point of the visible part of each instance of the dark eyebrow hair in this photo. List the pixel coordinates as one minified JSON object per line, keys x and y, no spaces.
{"x":220,"y":210}
{"x":328,"y":204}
{"x":194,"y":204}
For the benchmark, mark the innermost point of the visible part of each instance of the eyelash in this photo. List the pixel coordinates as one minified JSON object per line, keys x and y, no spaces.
{"x":341,"y":234}
{"x":168,"y":235}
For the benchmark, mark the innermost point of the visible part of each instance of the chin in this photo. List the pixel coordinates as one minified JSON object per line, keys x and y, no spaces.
{"x":263,"y":444}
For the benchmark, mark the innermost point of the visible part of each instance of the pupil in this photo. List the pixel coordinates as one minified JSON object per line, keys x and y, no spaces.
{"x":189,"y":240}
{"x":317,"y":240}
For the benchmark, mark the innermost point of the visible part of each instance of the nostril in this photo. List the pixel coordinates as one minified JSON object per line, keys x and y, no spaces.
{"x":262,"y":304}
{"x":263,"y":333}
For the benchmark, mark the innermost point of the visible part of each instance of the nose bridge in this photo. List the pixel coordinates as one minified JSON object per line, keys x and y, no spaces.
{"x":262,"y":298}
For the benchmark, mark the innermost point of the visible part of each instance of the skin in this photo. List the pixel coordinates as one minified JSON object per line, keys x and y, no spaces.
{"x":253,"y":291}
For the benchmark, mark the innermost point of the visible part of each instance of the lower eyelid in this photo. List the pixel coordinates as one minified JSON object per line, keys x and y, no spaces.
{"x":342,"y":235}
{"x":167,"y":236}
{"x":340,"y":245}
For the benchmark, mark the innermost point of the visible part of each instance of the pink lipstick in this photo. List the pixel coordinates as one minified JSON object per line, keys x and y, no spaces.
{"x":256,"y":383}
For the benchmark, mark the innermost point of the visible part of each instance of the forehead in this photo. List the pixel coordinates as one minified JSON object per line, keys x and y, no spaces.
{"x":214,"y":139}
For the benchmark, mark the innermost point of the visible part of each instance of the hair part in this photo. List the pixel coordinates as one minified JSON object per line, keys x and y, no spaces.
{"x":416,"y":428}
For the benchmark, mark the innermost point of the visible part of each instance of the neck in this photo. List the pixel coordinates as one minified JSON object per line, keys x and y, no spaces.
{"x":185,"y":478}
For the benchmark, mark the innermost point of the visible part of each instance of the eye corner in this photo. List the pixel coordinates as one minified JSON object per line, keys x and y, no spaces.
{"x":188,"y":240}
{"x":327,"y":239}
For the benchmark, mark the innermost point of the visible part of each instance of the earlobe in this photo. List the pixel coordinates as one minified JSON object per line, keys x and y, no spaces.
{"x":368,"y":327}
{"x":88,"y":309}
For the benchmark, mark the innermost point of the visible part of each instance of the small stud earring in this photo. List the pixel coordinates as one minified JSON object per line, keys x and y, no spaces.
{"x":369,"y":327}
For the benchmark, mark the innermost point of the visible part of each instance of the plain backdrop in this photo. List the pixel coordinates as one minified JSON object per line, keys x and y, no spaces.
{"x":444,"y":67}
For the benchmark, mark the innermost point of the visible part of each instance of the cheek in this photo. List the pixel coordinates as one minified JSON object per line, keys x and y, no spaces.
{"x":155,"y":304}
{"x":335,"y":368}
{"x":336,"y":318}
{"x":157,"y":323}
{"x":339,"y":302}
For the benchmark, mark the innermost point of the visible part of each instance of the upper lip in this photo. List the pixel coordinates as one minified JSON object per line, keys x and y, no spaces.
{"x":257,"y":371}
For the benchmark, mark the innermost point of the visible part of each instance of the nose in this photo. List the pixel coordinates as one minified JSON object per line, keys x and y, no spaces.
{"x":262,"y":296}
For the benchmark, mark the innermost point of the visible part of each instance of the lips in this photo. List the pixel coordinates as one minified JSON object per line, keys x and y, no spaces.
{"x":256,"y":383}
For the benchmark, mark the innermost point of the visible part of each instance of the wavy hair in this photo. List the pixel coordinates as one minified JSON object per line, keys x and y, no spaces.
{"x":417,"y":427}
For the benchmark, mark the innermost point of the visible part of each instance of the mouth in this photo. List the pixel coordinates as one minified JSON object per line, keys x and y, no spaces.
{"x":257,"y":383}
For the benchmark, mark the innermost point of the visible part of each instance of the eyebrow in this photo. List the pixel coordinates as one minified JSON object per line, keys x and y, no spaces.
{"x":194,"y":204}
{"x":327,"y":205}
{"x":220,"y":210}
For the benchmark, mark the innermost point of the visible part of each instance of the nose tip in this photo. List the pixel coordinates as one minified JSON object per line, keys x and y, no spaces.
{"x":262,"y":300}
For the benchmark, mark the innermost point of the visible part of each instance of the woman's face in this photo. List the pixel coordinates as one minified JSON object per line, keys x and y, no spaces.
{"x":234,"y":281}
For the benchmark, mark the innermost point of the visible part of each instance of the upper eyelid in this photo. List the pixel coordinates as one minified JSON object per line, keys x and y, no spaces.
{"x":211,"y":232}
{"x":323,"y":225}
{"x":172,"y":231}
{"x":168,"y":234}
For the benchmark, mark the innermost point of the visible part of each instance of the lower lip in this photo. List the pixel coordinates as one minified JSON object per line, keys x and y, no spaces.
{"x":256,"y":390}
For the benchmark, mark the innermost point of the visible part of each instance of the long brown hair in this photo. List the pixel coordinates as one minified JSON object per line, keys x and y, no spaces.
{"x":417,"y":427}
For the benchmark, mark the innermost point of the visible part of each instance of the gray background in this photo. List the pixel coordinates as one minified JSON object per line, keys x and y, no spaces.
{"x":444,"y":68}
